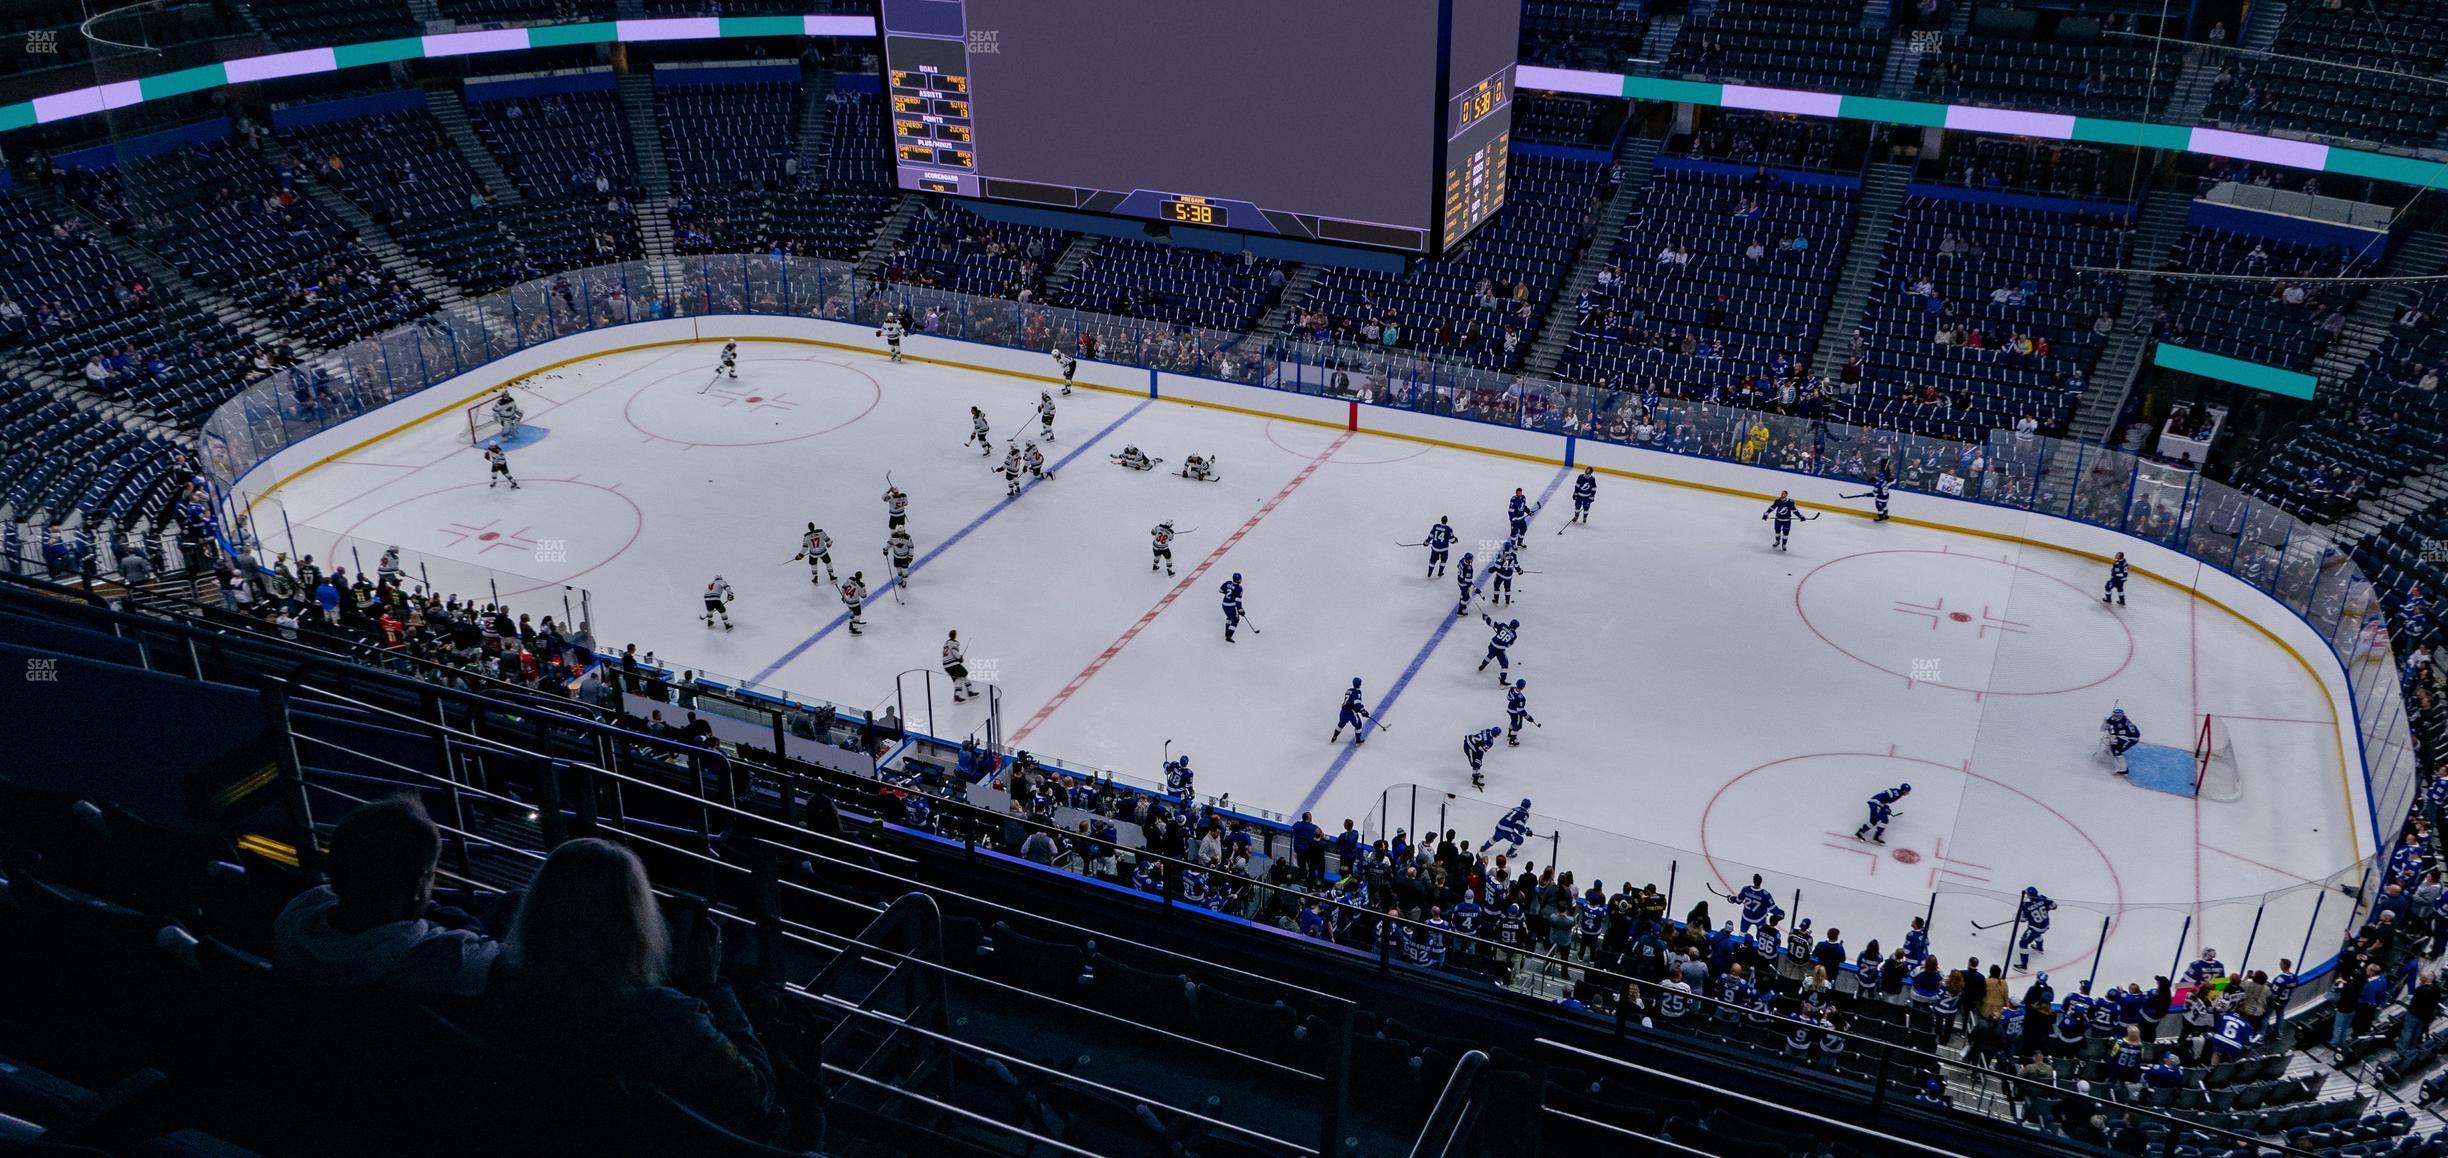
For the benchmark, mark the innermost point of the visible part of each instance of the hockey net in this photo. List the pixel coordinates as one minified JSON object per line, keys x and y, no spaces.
{"x":2214,"y":766}
{"x":482,"y":426}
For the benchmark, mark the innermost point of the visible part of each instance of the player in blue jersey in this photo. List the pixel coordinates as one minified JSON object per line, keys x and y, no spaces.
{"x":1880,"y":480}
{"x":1758,"y":905}
{"x":1499,"y":643}
{"x":2115,"y":589}
{"x":1440,"y":540}
{"x":1464,"y":572}
{"x":1783,"y":512}
{"x":1882,"y":810}
{"x":1354,"y":715}
{"x":1517,"y":712}
{"x":2034,"y":913}
{"x":1501,"y":571}
{"x":1517,"y":515}
{"x":1475,"y":749}
{"x":1231,"y":591}
{"x":1178,"y":778}
{"x":1585,"y":493}
{"x":1512,"y":829}
{"x":2119,"y":735}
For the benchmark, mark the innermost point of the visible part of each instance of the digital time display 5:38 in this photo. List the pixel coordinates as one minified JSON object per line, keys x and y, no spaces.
{"x":1192,"y":211}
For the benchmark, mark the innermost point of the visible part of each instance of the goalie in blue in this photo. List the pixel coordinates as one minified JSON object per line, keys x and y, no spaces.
{"x":2119,"y":735}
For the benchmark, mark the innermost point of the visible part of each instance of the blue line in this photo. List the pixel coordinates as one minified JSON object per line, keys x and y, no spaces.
{"x":980,"y":521}
{"x":1344,"y":757}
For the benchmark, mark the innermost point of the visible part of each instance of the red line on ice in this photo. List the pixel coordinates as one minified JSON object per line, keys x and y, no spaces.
{"x":1105,"y":657}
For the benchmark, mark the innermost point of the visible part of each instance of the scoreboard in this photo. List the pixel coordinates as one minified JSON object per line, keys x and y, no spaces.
{"x":1379,"y":123}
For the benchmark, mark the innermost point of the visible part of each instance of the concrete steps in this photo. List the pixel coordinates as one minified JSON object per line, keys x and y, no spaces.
{"x":1636,"y":162}
{"x":443,"y":101}
{"x":370,"y":235}
{"x":1873,"y":219}
{"x":888,"y":236}
{"x":2120,"y":364}
{"x":1067,"y":266}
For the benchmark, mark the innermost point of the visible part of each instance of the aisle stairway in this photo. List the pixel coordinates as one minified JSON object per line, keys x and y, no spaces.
{"x":2120,"y":362}
{"x":442,"y":99}
{"x":1873,"y":219}
{"x":1636,"y":163}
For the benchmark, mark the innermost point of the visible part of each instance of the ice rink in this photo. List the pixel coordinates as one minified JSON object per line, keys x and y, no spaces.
{"x":1695,"y":690}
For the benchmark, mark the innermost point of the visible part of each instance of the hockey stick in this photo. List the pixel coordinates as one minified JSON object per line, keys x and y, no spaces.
{"x":1421,"y":543}
{"x":1994,"y":924}
{"x":1720,"y":896}
{"x":710,"y":382}
{"x":1253,"y":624}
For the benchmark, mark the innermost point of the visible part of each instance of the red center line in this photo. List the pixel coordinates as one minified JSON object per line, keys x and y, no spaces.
{"x":1105,"y":657}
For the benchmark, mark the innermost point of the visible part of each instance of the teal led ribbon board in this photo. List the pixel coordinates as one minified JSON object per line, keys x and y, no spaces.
{"x":2274,"y":379}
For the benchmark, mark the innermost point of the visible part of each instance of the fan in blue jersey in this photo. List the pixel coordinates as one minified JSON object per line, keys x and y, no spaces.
{"x":1512,"y":829}
{"x":1916,"y":942}
{"x":1782,"y":514}
{"x":2034,"y":913}
{"x":1758,"y":904}
{"x":1475,"y":749}
{"x":1501,"y":571}
{"x":1517,"y":712}
{"x":1463,"y":574}
{"x":1585,"y":493}
{"x":1498,"y":643}
{"x":1440,"y":540}
{"x":1178,"y":777}
{"x":1232,"y":605}
{"x":2119,"y":735}
{"x":2116,"y":581}
{"x":1355,"y":715}
{"x":1882,"y":810}
{"x":1517,"y":514}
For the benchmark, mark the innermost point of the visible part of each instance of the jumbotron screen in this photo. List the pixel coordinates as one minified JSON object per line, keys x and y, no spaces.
{"x":1379,"y":123}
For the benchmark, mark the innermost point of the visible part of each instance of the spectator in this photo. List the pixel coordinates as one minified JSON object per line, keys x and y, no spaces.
{"x":374,"y":925}
{"x":588,"y":961}
{"x":2421,"y":1009}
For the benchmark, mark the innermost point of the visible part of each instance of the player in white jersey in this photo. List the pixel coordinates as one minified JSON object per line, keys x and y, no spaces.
{"x":1162,"y":533}
{"x":817,"y":548}
{"x":507,"y":415}
{"x":730,"y":360}
{"x":1134,"y":458}
{"x":501,"y":467}
{"x":956,"y":666}
{"x":979,"y":432}
{"x":896,"y":506}
{"x":1070,"y":366}
{"x":1200,"y":468}
{"x":1034,"y":460}
{"x":903,"y":552}
{"x":718,"y":603}
{"x":1011,"y":470}
{"x":854,"y":597}
{"x":1045,"y":414}
{"x":891,"y":332}
{"x":388,"y":570}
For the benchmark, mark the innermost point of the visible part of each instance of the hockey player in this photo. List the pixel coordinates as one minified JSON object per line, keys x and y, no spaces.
{"x":1440,"y":540}
{"x":1034,"y":460}
{"x":1784,"y":510}
{"x":956,"y":668}
{"x":1162,"y":534}
{"x":1199,"y":468}
{"x":2118,"y":735}
{"x":1585,"y":493}
{"x":1758,"y":904}
{"x":1179,"y":780}
{"x":979,"y":433}
{"x":1463,"y":574}
{"x":1882,"y":810}
{"x":891,"y":332}
{"x":1011,"y":471}
{"x":1517,"y":515}
{"x":730,"y":360}
{"x":501,"y":467}
{"x":1475,"y":749}
{"x":1232,"y":605}
{"x":507,"y":415}
{"x":2116,"y":581}
{"x":1499,"y":644}
{"x":1045,"y":414}
{"x":1354,"y":715}
{"x":1133,"y":458}
{"x":854,"y":597}
{"x":1517,"y":712}
{"x":1880,"y":480}
{"x":1512,"y":829}
{"x":1070,"y":366}
{"x":896,"y":507}
{"x":817,"y":548}
{"x":388,"y":569}
{"x":1501,"y":571}
{"x":2034,"y":913}
{"x":718,"y":603}
{"x":902,"y":552}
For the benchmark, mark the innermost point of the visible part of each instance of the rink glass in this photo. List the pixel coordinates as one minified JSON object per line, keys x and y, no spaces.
{"x":2300,"y":565}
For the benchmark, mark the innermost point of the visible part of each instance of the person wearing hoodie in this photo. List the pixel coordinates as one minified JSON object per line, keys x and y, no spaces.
{"x":374,"y":926}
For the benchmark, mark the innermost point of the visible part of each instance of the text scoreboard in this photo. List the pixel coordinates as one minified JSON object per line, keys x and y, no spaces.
{"x":1380,"y":123}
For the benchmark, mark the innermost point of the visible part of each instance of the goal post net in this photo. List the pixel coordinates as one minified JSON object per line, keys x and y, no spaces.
{"x":2214,"y":766}
{"x":483,"y":426}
